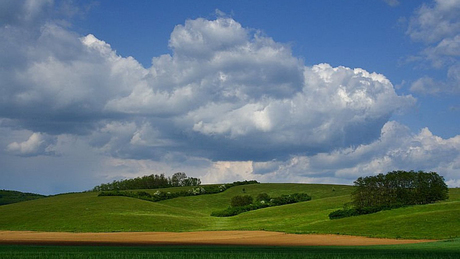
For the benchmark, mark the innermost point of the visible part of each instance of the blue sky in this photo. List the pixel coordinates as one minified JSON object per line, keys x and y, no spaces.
{"x":277,"y":91}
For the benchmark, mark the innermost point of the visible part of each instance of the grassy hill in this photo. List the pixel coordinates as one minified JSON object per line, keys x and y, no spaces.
{"x":8,"y":197}
{"x":86,"y":212}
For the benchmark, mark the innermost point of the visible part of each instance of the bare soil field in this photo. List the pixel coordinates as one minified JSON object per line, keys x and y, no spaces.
{"x":253,"y":238}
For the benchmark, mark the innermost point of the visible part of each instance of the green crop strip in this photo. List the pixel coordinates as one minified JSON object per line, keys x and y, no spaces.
{"x":441,"y":250}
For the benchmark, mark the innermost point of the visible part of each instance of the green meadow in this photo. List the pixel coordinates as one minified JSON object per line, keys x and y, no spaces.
{"x":86,"y":212}
{"x":442,"y":249}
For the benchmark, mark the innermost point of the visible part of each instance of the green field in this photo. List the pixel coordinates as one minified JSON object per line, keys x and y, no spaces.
{"x":86,"y":212}
{"x":443,"y":249}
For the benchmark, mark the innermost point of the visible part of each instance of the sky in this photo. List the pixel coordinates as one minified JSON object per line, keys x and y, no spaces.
{"x":314,"y":91}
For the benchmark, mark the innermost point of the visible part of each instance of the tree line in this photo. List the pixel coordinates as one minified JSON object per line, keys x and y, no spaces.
{"x":152,"y":181}
{"x":166,"y":195}
{"x":392,"y":190}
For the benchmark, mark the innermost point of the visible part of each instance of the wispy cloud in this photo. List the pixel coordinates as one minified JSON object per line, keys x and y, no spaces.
{"x":392,"y":3}
{"x":437,"y":26}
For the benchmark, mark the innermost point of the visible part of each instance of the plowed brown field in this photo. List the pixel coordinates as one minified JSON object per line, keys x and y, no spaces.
{"x":257,"y":238}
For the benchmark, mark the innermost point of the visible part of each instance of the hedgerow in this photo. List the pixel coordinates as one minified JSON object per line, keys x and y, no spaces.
{"x":162,"y":195}
{"x":262,"y":201}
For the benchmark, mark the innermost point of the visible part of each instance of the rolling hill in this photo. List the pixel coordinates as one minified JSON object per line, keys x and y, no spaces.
{"x":86,"y":212}
{"x":8,"y":197}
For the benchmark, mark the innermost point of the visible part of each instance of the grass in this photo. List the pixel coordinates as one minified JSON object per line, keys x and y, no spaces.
{"x":445,"y":249}
{"x":8,"y":197}
{"x":85,"y":212}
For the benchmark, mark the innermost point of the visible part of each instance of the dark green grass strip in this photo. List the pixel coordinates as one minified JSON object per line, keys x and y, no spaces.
{"x":420,"y":251}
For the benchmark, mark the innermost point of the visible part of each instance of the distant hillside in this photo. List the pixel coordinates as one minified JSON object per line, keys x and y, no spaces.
{"x":86,"y":212}
{"x":8,"y":197}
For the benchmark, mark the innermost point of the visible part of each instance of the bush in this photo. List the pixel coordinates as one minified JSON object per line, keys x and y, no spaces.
{"x":262,"y":197}
{"x":338,"y":214}
{"x":233,"y":211}
{"x":241,"y":200}
{"x":291,"y":198}
{"x":160,"y":195}
{"x":262,"y":201}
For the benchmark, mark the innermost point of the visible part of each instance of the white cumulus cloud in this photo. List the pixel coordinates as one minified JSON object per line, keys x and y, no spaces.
{"x":396,"y":149}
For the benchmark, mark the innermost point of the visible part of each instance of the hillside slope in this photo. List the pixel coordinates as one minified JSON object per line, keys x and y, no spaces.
{"x":86,"y":212}
{"x":9,"y":197}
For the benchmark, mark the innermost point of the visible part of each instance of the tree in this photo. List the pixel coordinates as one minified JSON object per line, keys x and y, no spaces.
{"x":399,"y":188}
{"x":191,"y":181}
{"x":178,"y":178}
{"x":393,"y":190}
{"x":150,"y":182}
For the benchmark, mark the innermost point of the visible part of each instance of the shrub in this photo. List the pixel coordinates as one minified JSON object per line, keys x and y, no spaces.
{"x":241,"y":200}
{"x":338,"y":214}
{"x":262,"y":201}
{"x":262,"y":197}
{"x":159,"y":195}
{"x":291,"y":198}
{"x":233,"y":211}
{"x":349,"y":212}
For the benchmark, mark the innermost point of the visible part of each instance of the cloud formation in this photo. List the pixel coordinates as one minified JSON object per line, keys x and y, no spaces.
{"x":437,"y":26}
{"x":228,"y":103}
{"x":246,"y":92}
{"x":224,"y":85}
{"x":397,"y":148}
{"x":37,"y":144}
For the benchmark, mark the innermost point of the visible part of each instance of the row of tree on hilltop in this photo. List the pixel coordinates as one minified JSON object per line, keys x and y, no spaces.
{"x":153,"y":181}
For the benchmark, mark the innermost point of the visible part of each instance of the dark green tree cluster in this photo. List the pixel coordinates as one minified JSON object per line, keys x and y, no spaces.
{"x":153,"y":181}
{"x":399,"y":188}
{"x":244,"y":203}
{"x":393,"y":190}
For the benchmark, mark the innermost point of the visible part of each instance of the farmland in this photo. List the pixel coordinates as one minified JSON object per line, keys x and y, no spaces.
{"x":446,"y":249}
{"x":86,"y":212}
